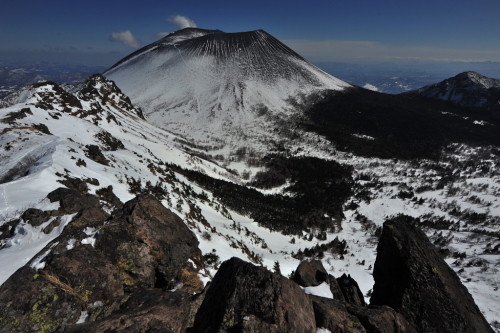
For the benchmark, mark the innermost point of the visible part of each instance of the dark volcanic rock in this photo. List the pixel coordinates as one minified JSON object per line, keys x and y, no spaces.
{"x":106,"y":194}
{"x":381,"y":319}
{"x":148,"y":242}
{"x":35,"y":217}
{"x":412,"y":278}
{"x":246,"y":298}
{"x":333,"y":315}
{"x":350,"y":290}
{"x":7,"y":230}
{"x":72,"y":201}
{"x":42,"y":128}
{"x":146,"y":311}
{"x":75,"y":184}
{"x":103,"y":266}
{"x":29,"y":303}
{"x":312,"y":273}
{"x":95,"y":154}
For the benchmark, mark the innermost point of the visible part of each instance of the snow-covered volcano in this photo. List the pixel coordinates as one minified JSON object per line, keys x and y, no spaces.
{"x":203,"y":81}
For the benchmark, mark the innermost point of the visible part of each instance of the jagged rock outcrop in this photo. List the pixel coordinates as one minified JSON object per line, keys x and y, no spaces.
{"x":412,"y":278}
{"x":95,"y":154}
{"x":106,"y":194}
{"x":103,"y":266}
{"x":149,"y":242}
{"x":243,"y":298}
{"x":72,"y":201}
{"x":312,"y":273}
{"x":35,"y":217}
{"x":350,"y":290}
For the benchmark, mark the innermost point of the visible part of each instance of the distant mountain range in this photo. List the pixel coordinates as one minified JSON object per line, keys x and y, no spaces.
{"x":17,"y":75}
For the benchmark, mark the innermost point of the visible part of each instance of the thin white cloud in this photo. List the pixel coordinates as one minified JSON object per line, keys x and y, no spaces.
{"x":161,"y":35}
{"x":127,"y":38}
{"x":358,"y":51}
{"x":182,"y":22}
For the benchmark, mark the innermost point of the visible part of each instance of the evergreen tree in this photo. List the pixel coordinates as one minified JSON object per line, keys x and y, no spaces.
{"x":276,"y":267}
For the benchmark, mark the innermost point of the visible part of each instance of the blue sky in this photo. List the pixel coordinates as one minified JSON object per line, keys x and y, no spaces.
{"x":349,"y":31}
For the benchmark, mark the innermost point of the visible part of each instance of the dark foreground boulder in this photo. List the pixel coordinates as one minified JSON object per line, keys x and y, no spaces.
{"x":412,"y":278}
{"x":100,"y":267}
{"x":148,"y":242}
{"x":246,"y":298}
{"x":146,"y":311}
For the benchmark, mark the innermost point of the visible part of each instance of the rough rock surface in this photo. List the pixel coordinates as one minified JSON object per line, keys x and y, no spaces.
{"x":106,"y":194}
{"x":148,"y":242}
{"x":72,"y":201}
{"x":75,"y":184}
{"x":312,"y":273}
{"x":381,"y":319}
{"x":100,"y":266}
{"x":35,"y":217}
{"x":350,"y":290}
{"x":145,"y":311}
{"x":95,"y":154}
{"x":333,"y":315}
{"x":245,"y":298}
{"x":412,"y":278}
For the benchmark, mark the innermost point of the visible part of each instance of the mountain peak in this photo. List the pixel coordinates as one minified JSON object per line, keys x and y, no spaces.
{"x":468,"y":89}
{"x":216,"y":83}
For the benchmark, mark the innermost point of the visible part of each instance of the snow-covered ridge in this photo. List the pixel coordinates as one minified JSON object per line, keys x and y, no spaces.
{"x":468,"y":89}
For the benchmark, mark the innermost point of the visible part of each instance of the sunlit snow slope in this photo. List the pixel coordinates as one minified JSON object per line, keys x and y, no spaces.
{"x":201,"y":81}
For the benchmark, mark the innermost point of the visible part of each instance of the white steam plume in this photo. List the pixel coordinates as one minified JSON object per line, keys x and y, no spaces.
{"x":183,"y":22}
{"x":127,"y":38}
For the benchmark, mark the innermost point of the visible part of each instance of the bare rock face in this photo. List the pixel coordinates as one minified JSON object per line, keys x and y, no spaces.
{"x":72,"y":201}
{"x":95,"y":154}
{"x":148,"y":242}
{"x":412,"y":278}
{"x":381,"y":319}
{"x":333,"y":315}
{"x":312,"y":273}
{"x":102,"y":267}
{"x":35,"y":217}
{"x":145,"y":311}
{"x":75,"y":184}
{"x":106,"y":194}
{"x":246,"y":298}
{"x":350,"y":290}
